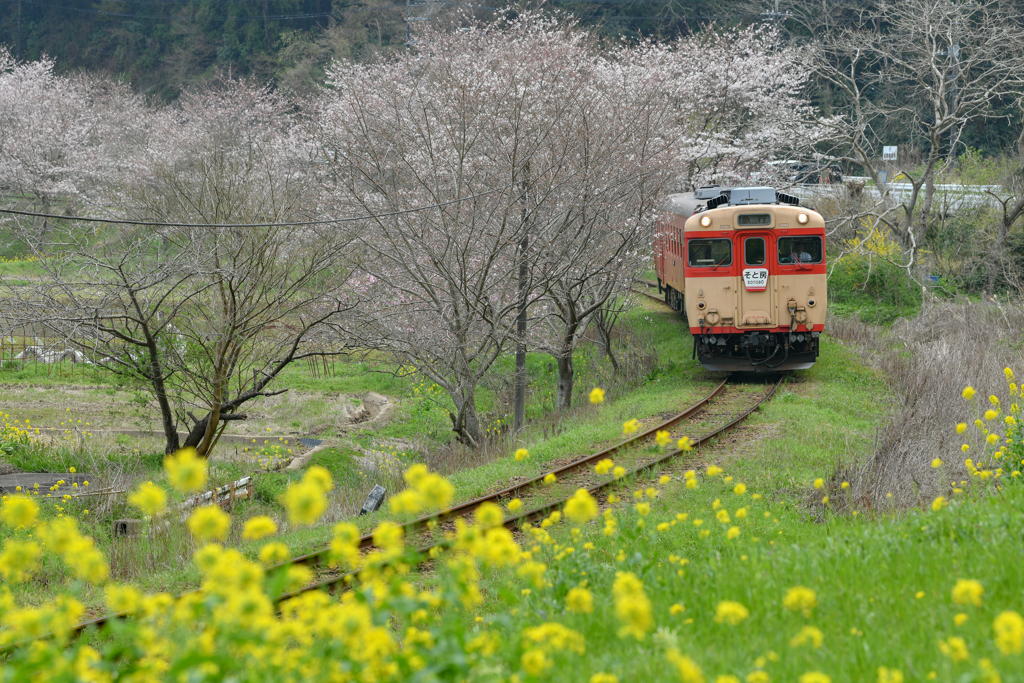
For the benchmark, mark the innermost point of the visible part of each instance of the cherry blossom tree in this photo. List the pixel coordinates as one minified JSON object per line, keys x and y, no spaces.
{"x":232,"y":282}
{"x":63,"y":137}
{"x":546,"y":156}
{"x":480,"y":116}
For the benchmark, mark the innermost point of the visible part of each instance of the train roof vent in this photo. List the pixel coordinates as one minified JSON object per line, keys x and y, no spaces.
{"x":752,"y":195}
{"x":710,"y":191}
{"x":717,"y":201}
{"x":787,"y":199}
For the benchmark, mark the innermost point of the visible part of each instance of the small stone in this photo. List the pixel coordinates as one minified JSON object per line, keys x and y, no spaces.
{"x":374,"y":500}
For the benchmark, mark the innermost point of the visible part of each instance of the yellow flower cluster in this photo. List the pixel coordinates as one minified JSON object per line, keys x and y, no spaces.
{"x":427,"y":491}
{"x":632,"y":606}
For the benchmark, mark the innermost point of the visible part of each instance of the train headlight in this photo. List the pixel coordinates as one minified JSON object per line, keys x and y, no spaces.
{"x":706,"y":221}
{"x":802,"y":218}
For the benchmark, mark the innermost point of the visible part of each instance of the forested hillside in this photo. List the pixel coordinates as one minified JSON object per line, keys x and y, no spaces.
{"x":161,"y":45}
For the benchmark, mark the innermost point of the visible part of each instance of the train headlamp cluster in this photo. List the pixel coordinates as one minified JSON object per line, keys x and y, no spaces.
{"x":802,"y":218}
{"x":706,"y":221}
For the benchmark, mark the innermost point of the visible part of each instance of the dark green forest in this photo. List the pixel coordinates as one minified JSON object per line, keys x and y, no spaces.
{"x":162,"y":46}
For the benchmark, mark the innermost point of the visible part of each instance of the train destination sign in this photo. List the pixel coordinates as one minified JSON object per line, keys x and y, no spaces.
{"x":755,"y":279}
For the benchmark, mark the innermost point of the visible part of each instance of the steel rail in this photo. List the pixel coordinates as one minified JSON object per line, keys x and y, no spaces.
{"x":470,"y":506}
{"x":340,"y":581}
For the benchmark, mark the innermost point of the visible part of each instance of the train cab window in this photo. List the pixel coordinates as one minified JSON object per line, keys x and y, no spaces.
{"x":709,"y":253}
{"x":754,"y":251}
{"x":800,"y":249}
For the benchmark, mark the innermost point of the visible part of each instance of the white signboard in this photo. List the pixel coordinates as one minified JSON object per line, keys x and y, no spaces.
{"x":755,"y":279}
{"x":889,"y":153}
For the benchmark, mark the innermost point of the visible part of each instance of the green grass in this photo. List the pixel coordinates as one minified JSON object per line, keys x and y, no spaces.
{"x":867,"y":576}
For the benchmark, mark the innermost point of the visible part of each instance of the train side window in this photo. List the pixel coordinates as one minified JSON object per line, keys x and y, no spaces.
{"x":709,"y":253}
{"x":800,"y":249}
{"x":754,"y":252}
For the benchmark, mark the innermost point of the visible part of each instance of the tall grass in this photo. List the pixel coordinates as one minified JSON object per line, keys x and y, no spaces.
{"x":927,"y":361}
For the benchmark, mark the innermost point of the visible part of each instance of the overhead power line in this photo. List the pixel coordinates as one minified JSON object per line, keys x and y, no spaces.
{"x":155,"y":224}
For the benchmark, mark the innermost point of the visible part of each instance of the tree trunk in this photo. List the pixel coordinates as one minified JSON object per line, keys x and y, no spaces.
{"x":466,"y":421}
{"x":565,"y":380}
{"x":160,"y":390}
{"x":603,"y":323}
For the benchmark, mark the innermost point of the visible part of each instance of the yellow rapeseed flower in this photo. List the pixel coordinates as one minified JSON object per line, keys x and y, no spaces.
{"x":209,"y":523}
{"x":604,"y":678}
{"x":800,"y":599}
{"x":938,"y":503}
{"x":733,"y":533}
{"x":19,"y":560}
{"x":604,"y":466}
{"x":597,"y":395}
{"x":730,"y":612}
{"x":739,"y":489}
{"x":304,"y":502}
{"x":535,"y":662}
{"x":632,"y":606}
{"x":149,"y":498}
{"x":515,"y":505}
{"x":320,"y":477}
{"x":581,"y":507}
{"x":936,"y":463}
{"x":686,"y":668}
{"x":808,"y":635}
{"x":126,"y":599}
{"x":1009,"y":632}
{"x":961,"y":428}
{"x":630,"y":426}
{"x":713,"y":470}
{"x":991,"y":414}
{"x":814,"y":677}
{"x":819,"y":483}
{"x":550,"y":478}
{"x":579,"y":600}
{"x":992,"y":439}
{"x":955,"y":648}
{"x":19,"y":511}
{"x":186,"y":471}
{"x":273,"y":553}
{"x":685,"y":444}
{"x":488,"y":515}
{"x":521,"y":454}
{"x":960,"y":619}
{"x":968,"y":393}
{"x":259,"y":527}
{"x":967,"y":592}
{"x":663,"y":438}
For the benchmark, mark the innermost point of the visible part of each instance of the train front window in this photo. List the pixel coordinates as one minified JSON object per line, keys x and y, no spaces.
{"x":754,"y":252}
{"x":709,"y":253}
{"x":800,"y":249}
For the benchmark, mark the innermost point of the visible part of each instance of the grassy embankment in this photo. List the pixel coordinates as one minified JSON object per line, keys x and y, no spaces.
{"x":163,"y":563}
{"x":884,"y":581}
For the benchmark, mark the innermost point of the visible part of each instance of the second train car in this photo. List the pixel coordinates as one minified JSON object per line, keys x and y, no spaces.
{"x":746,"y":266}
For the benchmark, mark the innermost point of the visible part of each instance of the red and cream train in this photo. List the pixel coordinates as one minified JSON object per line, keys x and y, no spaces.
{"x":746,"y":266}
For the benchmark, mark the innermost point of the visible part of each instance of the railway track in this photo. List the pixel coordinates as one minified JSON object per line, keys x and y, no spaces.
{"x":577,"y":467}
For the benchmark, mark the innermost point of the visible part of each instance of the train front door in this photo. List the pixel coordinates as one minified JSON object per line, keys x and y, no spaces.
{"x":756,"y":291}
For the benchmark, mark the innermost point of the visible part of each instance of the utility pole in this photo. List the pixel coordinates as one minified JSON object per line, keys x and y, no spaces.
{"x":416,"y":10}
{"x":776,"y":16}
{"x":519,"y":409}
